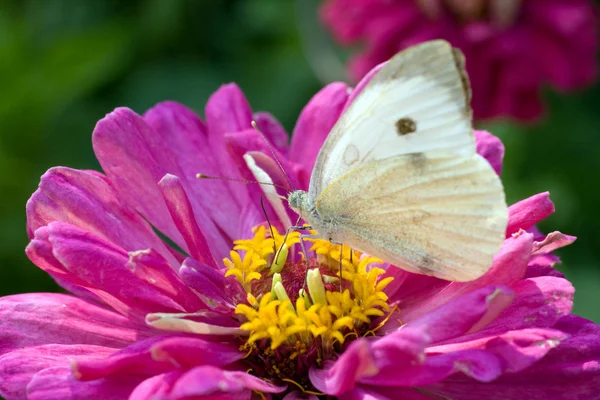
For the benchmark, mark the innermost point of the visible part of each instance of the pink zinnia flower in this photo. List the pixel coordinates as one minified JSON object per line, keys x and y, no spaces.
{"x":513,"y":48}
{"x":151,"y":320}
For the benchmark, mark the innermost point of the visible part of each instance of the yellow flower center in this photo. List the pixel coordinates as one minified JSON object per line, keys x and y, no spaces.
{"x":300,"y":312}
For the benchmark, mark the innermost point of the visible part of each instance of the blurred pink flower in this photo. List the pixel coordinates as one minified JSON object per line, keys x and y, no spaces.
{"x":146,"y":320}
{"x":513,"y":47}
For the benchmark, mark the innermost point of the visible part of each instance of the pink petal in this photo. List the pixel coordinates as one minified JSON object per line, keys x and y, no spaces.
{"x":42,"y":318}
{"x":135,"y":359}
{"x":271,"y":168}
{"x":183,"y":215}
{"x":516,"y":350}
{"x":526,"y":213}
{"x":490,"y":148}
{"x":86,"y":200}
{"x":466,"y":313}
{"x":212,"y":381}
{"x":570,"y":371}
{"x":356,"y":362}
{"x":182,"y":131}
{"x":247,"y":141}
{"x":315,"y":122}
{"x":480,"y":364}
{"x":58,"y":384}
{"x":553,"y":241}
{"x":483,"y":361}
{"x":227,"y":112}
{"x":250,"y":141}
{"x":273,"y":131}
{"x":539,"y":303}
{"x":191,"y":351}
{"x":101,"y":268}
{"x":149,"y":266}
{"x":135,"y":158}
{"x":509,"y":266}
{"x":216,"y":291}
{"x":156,"y":387}
{"x":383,"y":393}
{"x":19,"y":366}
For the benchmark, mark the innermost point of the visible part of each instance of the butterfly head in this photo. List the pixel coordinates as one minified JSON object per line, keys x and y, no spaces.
{"x":299,"y":202}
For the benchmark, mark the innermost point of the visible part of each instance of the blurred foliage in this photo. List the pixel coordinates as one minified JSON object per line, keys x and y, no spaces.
{"x":65,"y":63}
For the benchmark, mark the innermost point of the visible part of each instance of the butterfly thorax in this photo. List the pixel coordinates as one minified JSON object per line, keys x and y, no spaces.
{"x":302,"y":204}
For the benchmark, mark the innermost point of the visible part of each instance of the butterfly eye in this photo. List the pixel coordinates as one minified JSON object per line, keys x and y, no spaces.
{"x":406,"y":125}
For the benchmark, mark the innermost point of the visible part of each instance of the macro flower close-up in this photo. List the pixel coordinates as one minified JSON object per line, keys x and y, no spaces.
{"x":188,"y":288}
{"x":514,"y":48}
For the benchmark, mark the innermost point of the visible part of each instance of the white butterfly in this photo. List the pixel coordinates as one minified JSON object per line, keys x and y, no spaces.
{"x":398,"y":176}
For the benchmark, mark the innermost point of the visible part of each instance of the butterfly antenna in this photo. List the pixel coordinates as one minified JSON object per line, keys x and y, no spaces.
{"x":255,"y":126}
{"x":264,"y":210}
{"x":220,"y":178}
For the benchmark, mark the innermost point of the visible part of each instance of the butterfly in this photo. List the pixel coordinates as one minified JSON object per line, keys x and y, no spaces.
{"x":399,"y":178}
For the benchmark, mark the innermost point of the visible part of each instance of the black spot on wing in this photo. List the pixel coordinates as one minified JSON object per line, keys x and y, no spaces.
{"x":406,"y":125}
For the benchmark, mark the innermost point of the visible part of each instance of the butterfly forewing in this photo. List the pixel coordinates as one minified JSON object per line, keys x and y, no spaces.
{"x":418,"y":102}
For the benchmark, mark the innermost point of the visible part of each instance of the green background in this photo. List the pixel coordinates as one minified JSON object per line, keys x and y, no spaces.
{"x":64,"y":64}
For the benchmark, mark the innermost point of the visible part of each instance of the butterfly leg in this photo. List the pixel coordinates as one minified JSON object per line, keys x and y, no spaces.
{"x":341,"y":255}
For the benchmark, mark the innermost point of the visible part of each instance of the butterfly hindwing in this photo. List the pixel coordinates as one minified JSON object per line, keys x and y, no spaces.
{"x":444,"y":217}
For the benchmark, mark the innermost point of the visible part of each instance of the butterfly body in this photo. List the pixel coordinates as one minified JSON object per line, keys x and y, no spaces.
{"x":300,"y":201}
{"x":398,"y":177}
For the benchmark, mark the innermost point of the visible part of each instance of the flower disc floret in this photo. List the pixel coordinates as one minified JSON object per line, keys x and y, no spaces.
{"x":323,"y":316}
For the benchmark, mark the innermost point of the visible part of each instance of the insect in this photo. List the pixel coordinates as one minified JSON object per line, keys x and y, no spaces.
{"x":399,"y":178}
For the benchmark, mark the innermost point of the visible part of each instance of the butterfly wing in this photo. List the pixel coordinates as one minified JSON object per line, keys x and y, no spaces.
{"x":440,"y":216}
{"x":418,"y":102}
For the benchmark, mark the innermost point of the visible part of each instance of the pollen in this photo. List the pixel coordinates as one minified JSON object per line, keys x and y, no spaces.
{"x":299,"y":311}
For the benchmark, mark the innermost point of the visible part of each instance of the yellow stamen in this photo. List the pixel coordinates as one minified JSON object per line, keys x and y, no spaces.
{"x":313,"y":324}
{"x":245,"y":270}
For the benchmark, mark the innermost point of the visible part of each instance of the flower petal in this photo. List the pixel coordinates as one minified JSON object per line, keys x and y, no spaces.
{"x":227,"y":112}
{"x":135,"y":359}
{"x":101,"y":268}
{"x":58,"y":384}
{"x":218,"y":292}
{"x":274,"y":200}
{"x":208,"y":380}
{"x":186,"y":351}
{"x":130,"y":153}
{"x":490,"y":148}
{"x":516,"y":350}
{"x":382,"y":393}
{"x":183,"y":215}
{"x":43,"y":318}
{"x":151,"y":267}
{"x":509,"y":266}
{"x":466,"y":313}
{"x":18,"y":367}
{"x":315,"y":122}
{"x":156,"y":387}
{"x":340,"y":376}
{"x":539,"y":303}
{"x":273,"y":131}
{"x":188,"y":137}
{"x":553,"y":241}
{"x":526,"y":213}
{"x":86,"y":200}
{"x":570,"y":371}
